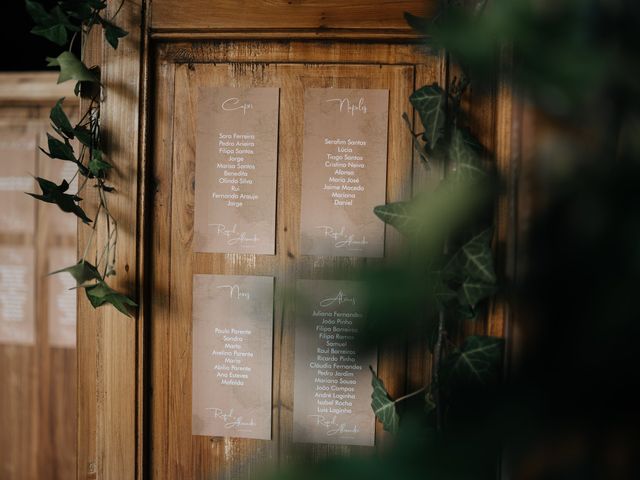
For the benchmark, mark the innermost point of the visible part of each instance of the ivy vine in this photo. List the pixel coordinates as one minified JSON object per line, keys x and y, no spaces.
{"x":457,"y":267}
{"x":81,"y":143}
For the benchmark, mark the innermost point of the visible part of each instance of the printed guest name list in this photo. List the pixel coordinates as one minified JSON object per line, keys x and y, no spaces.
{"x":332,"y":383}
{"x":344,"y":171}
{"x":232,"y":352}
{"x":236,"y":164}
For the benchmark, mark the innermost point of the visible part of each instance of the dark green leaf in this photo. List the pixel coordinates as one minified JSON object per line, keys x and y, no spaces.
{"x":474,"y":261}
{"x":60,"y":150}
{"x":429,"y":101}
{"x":101,"y":294}
{"x":60,"y":120}
{"x":383,"y":407}
{"x":399,"y":215}
{"x":72,"y":69}
{"x":83,"y":135}
{"x":52,"y":193}
{"x":38,"y":13}
{"x":82,"y":272}
{"x":112,"y":32}
{"x":472,"y":291}
{"x":466,"y":161}
{"x":61,"y":18}
{"x":477,"y":362}
{"x":97,"y":166}
{"x":54,"y":33}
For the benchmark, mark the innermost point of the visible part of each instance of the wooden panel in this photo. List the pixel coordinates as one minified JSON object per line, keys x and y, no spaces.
{"x":285,"y":15}
{"x":176,"y":454}
{"x":31,"y":89}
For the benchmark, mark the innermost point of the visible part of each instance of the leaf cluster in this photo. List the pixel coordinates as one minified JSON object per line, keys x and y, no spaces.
{"x":80,"y":143}
{"x":451,"y":262}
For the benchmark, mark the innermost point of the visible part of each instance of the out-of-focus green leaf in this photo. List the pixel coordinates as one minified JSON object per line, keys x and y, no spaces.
{"x":54,"y":33}
{"x":477,"y":362}
{"x":101,"y":294}
{"x":71,"y":68}
{"x":383,"y":407}
{"x":82,"y":272}
{"x":429,"y":101}
{"x":37,"y":12}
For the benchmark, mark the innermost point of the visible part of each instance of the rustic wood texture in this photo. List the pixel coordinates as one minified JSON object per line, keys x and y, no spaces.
{"x":345,"y":43}
{"x":32,"y":88}
{"x":38,"y":398}
{"x":108,"y":342}
{"x":175,"y":453}
{"x":286,"y":16}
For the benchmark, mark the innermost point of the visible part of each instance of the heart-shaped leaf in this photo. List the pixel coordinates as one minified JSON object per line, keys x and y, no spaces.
{"x":474,"y":261}
{"x":477,"y":362}
{"x":383,"y":407}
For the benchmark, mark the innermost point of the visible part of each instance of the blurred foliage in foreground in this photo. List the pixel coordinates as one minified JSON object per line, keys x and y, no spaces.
{"x":569,"y":409}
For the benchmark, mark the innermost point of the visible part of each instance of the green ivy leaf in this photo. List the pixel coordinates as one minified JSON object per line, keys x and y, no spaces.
{"x":399,"y":215}
{"x":112,"y":32}
{"x":60,"y":120}
{"x":474,"y":260}
{"x":82,"y":272}
{"x":477,"y":362}
{"x":37,"y":12}
{"x":60,"y":150}
{"x":473,"y":291}
{"x":466,"y":161}
{"x":97,"y":166}
{"x":83,"y":135}
{"x":429,"y":101}
{"x":383,"y":407}
{"x":54,"y":33}
{"x":101,"y":293}
{"x":72,"y":69}
{"x":52,"y":193}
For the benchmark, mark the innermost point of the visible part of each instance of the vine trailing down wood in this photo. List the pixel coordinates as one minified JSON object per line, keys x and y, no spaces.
{"x":64,"y":24}
{"x":451,"y":244}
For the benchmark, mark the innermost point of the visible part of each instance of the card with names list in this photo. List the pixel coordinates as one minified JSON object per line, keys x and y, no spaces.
{"x":236,"y":168}
{"x":232,"y":356}
{"x":344,"y":171}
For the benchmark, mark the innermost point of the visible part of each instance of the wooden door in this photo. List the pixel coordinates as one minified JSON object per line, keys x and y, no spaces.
{"x":293,"y":67}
